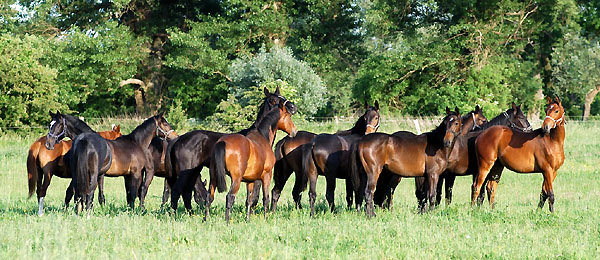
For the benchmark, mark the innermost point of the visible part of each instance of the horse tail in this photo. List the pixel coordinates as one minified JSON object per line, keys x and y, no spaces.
{"x":279,"y":149}
{"x":217,"y":171}
{"x":354,"y":169}
{"x":307,"y":162}
{"x":169,"y":160}
{"x":32,"y":167}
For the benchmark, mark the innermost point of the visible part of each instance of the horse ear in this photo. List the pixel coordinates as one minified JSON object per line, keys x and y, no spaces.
{"x":456,"y":110}
{"x":477,"y":109}
{"x":366,"y":105}
{"x":51,"y":114}
{"x":117,"y":128}
{"x":161,"y":114}
{"x":447,"y":110}
{"x":557,"y":100}
{"x":514,"y":108}
{"x":281,"y":105}
{"x":548,"y":100}
{"x":376,"y":105}
{"x":266,"y":91}
{"x":277,"y":92}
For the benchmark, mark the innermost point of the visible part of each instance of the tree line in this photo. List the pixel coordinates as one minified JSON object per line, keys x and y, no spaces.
{"x":206,"y":59}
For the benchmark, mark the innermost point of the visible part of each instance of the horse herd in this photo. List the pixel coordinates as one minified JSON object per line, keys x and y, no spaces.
{"x":371,"y":163}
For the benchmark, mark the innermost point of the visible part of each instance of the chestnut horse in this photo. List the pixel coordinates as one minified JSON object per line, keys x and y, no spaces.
{"x":92,"y":157}
{"x":328,"y":155}
{"x":50,"y":163}
{"x":540,"y":151}
{"x":248,"y":157}
{"x":406,"y":155}
{"x":192,"y":151}
{"x":288,"y":153}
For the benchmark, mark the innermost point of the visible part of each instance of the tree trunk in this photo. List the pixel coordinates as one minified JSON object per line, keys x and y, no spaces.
{"x":139,"y":93}
{"x":153,"y":76}
{"x":589,"y":99}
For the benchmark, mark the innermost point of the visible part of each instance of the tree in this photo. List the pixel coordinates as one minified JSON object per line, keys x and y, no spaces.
{"x":576,"y":70}
{"x":28,"y":89}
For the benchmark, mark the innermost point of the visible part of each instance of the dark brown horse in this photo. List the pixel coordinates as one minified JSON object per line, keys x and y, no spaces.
{"x":288,"y":153}
{"x":42,"y":164}
{"x":406,"y":155}
{"x":92,"y":157}
{"x":540,"y":151}
{"x":249,"y":157}
{"x":328,"y":155}
{"x":192,"y":151}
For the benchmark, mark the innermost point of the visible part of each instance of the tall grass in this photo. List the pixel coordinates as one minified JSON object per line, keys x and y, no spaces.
{"x":514,"y":229}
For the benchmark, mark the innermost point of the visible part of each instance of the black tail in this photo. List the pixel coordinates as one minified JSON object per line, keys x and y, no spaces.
{"x":32,"y":169}
{"x":168,"y":159}
{"x":355,"y":166}
{"x":307,"y":162}
{"x":217,"y":171}
{"x":279,"y":149}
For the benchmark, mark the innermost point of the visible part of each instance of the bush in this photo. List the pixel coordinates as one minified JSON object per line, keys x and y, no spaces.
{"x":28,"y":89}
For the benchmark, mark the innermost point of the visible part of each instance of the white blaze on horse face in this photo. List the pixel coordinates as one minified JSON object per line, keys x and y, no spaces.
{"x":52,"y":123}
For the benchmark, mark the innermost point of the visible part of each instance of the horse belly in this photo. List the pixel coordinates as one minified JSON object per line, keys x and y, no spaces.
{"x":518,"y":161}
{"x":407,"y":166}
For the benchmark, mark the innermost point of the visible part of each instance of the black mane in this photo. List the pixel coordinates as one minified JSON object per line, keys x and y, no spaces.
{"x":143,"y":131}
{"x":359,"y":128}
{"x":76,"y":126}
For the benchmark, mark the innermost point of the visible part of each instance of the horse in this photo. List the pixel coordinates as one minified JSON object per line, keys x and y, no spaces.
{"x":248,"y":157}
{"x":42,"y":164}
{"x":288,"y":156}
{"x":461,"y":161}
{"x":387,"y":181}
{"x":406,"y":155}
{"x":540,"y":151}
{"x":328,"y":155}
{"x":192,"y":151}
{"x":94,"y":157}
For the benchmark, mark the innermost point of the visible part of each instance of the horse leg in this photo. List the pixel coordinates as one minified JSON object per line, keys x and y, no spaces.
{"x":131,"y":190}
{"x":329,"y":194}
{"x":235,"y":186}
{"x":69,"y":193}
{"x":266,"y":182}
{"x":312,"y":192}
{"x":42,"y":189}
{"x":372,"y":177}
{"x":166,"y":193}
{"x":450,"y":178}
{"x":438,"y":193}
{"x":209,"y":199}
{"x":186,"y":194}
{"x":101,"y":198}
{"x":492,"y":182}
{"x":281,"y":174}
{"x":349,"y":193}
{"x":479,"y":179}
{"x":431,"y":193}
{"x":249,"y":195}
{"x":178,"y":186}
{"x":547,"y":192}
{"x":421,"y":193}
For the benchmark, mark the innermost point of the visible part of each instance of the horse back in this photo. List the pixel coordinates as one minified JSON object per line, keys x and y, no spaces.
{"x":127,"y":157}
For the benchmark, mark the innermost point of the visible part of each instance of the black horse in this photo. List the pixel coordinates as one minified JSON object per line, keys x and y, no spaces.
{"x":93,"y":157}
{"x":192,"y":152}
{"x":328,"y":155}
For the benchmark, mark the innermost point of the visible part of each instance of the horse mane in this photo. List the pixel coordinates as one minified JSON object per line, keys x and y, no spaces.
{"x":143,"y":130}
{"x":267,"y":122}
{"x":77,"y":125}
{"x":262,"y":111}
{"x":498,"y":120}
{"x":438,"y":133}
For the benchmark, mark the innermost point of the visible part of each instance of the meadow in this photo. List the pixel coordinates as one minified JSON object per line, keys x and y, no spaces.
{"x":515,"y":229}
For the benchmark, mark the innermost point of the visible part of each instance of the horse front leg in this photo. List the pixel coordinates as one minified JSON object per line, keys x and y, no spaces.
{"x":431,"y":193}
{"x":69,"y":193}
{"x":547,"y":190}
{"x":101,"y":198}
{"x":266,"y":182}
{"x":330,"y":192}
{"x":449,"y":184}
{"x":349,"y":193}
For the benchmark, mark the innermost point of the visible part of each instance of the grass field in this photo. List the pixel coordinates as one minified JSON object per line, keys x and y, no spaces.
{"x":514,"y":229}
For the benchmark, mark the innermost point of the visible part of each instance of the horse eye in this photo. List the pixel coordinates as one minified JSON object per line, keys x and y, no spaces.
{"x":556,"y":111}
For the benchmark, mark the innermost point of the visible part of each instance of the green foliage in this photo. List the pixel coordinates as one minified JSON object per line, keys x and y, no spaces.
{"x":279,"y":64}
{"x":576,"y":70}
{"x":28,"y":88}
{"x":90,"y":65}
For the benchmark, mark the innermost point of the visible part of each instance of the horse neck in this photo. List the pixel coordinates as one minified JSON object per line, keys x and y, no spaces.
{"x":437,"y":134}
{"x":75,"y":127}
{"x":144,"y":133}
{"x":267,"y":125}
{"x":467,"y":124}
{"x":359,"y":128}
{"x":498,"y":120}
{"x":558,"y":133}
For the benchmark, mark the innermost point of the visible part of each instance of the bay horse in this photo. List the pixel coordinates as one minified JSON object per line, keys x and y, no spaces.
{"x":462,"y":161}
{"x":540,"y":151}
{"x":406,"y":155}
{"x":192,"y":151}
{"x":288,"y":156}
{"x":94,"y":157}
{"x":387,"y":181}
{"x":328,"y":155}
{"x":248,"y":158}
{"x":42,"y":164}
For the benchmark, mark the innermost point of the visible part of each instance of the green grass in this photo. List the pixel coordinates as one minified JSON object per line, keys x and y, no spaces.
{"x":514,"y":229}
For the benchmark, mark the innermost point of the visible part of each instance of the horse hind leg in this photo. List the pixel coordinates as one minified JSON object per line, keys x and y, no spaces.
{"x":281,"y":174}
{"x":330,"y":192}
{"x":235,"y":186}
{"x":492,"y":183}
{"x":449,"y":185}
{"x":42,"y":189}
{"x":69,"y":193}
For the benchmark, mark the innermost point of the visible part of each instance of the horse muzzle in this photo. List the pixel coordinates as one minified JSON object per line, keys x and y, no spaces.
{"x":293,"y":133}
{"x":49,"y":144}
